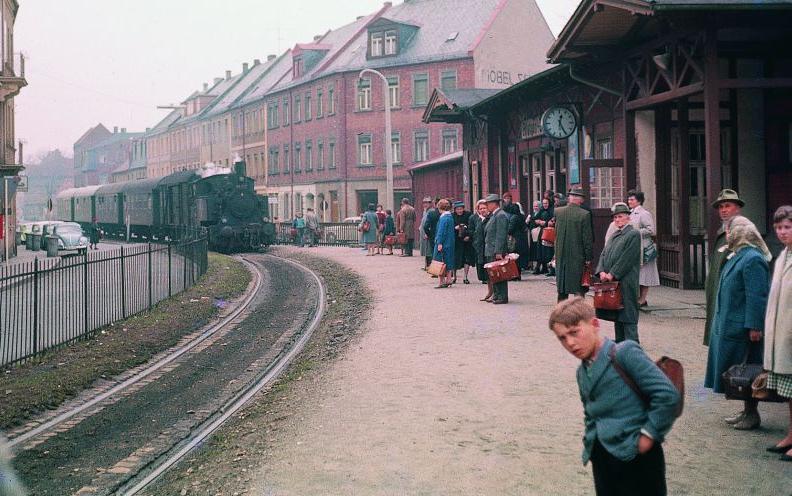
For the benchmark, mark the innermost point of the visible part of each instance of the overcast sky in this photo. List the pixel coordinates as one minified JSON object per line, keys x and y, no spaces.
{"x":114,"y":61}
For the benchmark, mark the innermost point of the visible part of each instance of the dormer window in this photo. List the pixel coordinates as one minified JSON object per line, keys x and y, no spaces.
{"x":390,"y":42}
{"x":376,"y":44}
{"x":299,"y":67}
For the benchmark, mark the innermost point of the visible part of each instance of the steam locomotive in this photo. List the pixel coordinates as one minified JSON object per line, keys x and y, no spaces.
{"x":219,"y":199}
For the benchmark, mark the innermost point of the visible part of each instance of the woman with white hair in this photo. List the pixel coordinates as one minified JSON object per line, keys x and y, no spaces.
{"x":738,"y":324}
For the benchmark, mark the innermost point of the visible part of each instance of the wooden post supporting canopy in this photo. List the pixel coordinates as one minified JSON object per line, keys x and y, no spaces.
{"x":712,"y":128}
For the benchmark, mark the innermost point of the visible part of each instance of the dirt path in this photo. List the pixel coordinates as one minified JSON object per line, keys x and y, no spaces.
{"x":445,"y":395}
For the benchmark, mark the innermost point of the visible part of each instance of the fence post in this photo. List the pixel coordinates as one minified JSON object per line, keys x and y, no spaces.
{"x":149,"y":278}
{"x":35,"y":304}
{"x":184,"y":265}
{"x":170,"y":290}
{"x":85,"y":289}
{"x":123,"y":285}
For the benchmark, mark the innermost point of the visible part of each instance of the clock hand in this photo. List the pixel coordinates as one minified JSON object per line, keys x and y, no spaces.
{"x":561,"y":125}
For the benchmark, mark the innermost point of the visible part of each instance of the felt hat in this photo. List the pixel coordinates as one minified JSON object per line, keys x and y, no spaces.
{"x":728,"y":195}
{"x":576,"y":191}
{"x":620,"y":208}
{"x":459,"y":204}
{"x":427,"y":199}
{"x":492,"y":197}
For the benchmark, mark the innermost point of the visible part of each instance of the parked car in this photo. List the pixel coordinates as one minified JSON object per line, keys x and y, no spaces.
{"x":70,"y":237}
{"x":47,"y":229}
{"x":24,"y":229}
{"x":343,"y":232}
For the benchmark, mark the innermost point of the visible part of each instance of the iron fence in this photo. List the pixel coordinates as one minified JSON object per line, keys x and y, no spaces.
{"x":44,"y":304}
{"x":330,"y":233}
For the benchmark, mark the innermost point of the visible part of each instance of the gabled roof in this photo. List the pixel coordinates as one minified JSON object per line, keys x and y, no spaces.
{"x":116,"y":138}
{"x":244,"y":83}
{"x":449,"y":105}
{"x":445,"y":159}
{"x":97,"y":129}
{"x":280,"y":69}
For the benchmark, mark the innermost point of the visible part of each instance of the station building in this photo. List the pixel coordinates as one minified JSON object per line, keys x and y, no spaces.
{"x":678,"y":98}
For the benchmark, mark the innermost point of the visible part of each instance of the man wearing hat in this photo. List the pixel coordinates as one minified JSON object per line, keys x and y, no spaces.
{"x":729,"y":205}
{"x":573,"y":245}
{"x":496,"y":233}
{"x":429,"y":228}
{"x":405,"y":223}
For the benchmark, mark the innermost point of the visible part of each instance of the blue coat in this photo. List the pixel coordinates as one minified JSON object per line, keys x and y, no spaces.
{"x":370,"y":237}
{"x":614,"y":414}
{"x":739,"y":307}
{"x":445,"y":235}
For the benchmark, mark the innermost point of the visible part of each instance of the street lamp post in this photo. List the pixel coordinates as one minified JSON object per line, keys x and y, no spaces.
{"x":388,"y":147}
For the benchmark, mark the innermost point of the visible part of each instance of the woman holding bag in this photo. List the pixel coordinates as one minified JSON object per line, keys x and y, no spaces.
{"x":444,"y":243}
{"x":736,"y":332}
{"x":643,"y":221}
{"x":778,"y":325}
{"x":620,"y":262}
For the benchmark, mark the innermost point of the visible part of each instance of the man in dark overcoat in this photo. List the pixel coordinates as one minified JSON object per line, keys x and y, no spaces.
{"x":405,"y":223}
{"x":573,"y":245}
{"x":729,"y":205}
{"x":478,"y":221}
{"x":496,"y":233}
{"x":430,"y":226}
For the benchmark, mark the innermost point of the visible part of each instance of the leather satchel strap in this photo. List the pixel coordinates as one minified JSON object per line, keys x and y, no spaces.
{"x":626,"y":377}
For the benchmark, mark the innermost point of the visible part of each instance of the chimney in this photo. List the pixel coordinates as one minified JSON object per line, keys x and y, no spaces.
{"x":206,"y":86}
{"x":359,"y":18}
{"x":317,"y":37}
{"x":245,"y":67}
{"x":217,"y":80}
{"x":123,"y":129}
{"x":228,"y":75}
{"x":271,"y":58}
{"x":256,"y":61}
{"x":115,"y":129}
{"x":148,"y":129}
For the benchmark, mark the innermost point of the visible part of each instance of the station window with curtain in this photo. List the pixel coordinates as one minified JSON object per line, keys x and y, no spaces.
{"x":420,"y":89}
{"x":607,"y":183}
{"x":331,"y":158}
{"x":449,"y":141}
{"x":364,"y":149}
{"x":364,"y":94}
{"x":376,"y":45}
{"x":421,"y":145}
{"x":448,"y":80}
{"x":396,"y":154}
{"x":393,"y":92}
{"x":390,"y":43}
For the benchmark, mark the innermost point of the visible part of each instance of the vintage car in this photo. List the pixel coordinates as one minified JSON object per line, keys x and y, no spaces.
{"x":70,"y":237}
{"x":344,"y":232}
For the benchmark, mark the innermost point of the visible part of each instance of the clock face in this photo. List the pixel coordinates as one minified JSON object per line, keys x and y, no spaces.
{"x":559,"y":122}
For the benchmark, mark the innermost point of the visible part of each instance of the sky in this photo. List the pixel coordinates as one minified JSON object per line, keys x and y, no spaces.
{"x":114,"y":61}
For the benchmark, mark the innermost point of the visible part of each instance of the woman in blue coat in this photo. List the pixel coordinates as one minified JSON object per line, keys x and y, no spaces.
{"x":444,"y":242}
{"x":370,"y":235}
{"x":740,"y":305}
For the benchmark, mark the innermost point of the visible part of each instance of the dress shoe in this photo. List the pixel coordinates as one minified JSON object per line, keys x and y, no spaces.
{"x":500,"y":302}
{"x":779,"y":449}
{"x":749,"y":422}
{"x":734,"y":418}
{"x":785,"y":458}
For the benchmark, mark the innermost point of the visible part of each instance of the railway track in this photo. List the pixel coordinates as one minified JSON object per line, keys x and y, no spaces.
{"x":206,"y":363}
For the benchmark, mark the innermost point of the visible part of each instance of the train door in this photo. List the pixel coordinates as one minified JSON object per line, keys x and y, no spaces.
{"x":120,"y":210}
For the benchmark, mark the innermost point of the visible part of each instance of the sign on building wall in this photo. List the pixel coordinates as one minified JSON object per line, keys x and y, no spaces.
{"x":573,"y":154}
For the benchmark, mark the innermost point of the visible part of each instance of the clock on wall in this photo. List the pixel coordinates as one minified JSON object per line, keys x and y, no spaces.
{"x":559,"y":122}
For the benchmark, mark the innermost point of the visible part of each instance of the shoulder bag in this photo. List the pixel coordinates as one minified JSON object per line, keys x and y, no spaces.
{"x":607,"y":295}
{"x":671,"y":368}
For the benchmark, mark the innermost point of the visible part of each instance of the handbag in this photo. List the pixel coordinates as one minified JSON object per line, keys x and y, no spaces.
{"x":293,"y":232}
{"x":390,"y":240}
{"x":401,"y":238}
{"x":738,"y":379}
{"x":548,"y":236}
{"x":585,"y":279}
{"x":670,"y":367}
{"x":502,"y":270}
{"x":607,"y":296}
{"x":649,"y":252}
{"x":759,"y":390}
{"x":365,"y":226}
{"x":436,"y":268}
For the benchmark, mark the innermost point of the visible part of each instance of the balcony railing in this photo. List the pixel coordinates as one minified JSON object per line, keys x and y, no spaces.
{"x":15,"y":67}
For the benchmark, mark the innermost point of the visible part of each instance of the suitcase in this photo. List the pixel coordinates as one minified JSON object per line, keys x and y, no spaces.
{"x":437,"y":268}
{"x":502,"y":270}
{"x":401,"y":238}
{"x":390,"y":240}
{"x":607,"y":296}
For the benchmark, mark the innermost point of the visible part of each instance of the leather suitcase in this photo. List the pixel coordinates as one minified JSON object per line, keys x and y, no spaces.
{"x":502,"y":270}
{"x":607,"y":296}
{"x":401,"y":238}
{"x":436,"y":268}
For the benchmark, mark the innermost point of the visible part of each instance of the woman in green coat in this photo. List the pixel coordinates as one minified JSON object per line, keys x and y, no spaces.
{"x":621,"y":261}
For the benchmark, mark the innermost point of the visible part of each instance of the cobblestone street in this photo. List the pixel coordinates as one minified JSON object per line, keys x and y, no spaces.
{"x":442,"y":394}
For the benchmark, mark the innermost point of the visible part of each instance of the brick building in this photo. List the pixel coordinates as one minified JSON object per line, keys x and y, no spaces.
{"x":99,"y":153}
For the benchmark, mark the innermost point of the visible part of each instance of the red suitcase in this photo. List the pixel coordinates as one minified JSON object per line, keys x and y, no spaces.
{"x":502,"y":270}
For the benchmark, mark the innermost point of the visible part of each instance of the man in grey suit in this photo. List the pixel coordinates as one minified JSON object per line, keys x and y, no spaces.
{"x":625,"y":424}
{"x":496,"y":234}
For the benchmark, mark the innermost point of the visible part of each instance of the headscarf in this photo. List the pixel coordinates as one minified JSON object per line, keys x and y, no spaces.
{"x":742,"y":233}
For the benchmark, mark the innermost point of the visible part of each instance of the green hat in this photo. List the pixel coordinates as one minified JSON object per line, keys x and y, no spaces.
{"x":620,"y":208}
{"x":576,"y":191}
{"x":493,"y":197}
{"x":728,"y":195}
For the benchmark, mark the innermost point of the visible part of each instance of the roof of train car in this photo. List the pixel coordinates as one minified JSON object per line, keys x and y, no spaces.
{"x":74,"y":192}
{"x":179,"y":177}
{"x":137,"y":186}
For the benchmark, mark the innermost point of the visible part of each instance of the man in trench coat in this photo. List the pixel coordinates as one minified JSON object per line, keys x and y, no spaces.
{"x":573,"y":245}
{"x":496,"y":233}
{"x":728,"y":204}
{"x":405,"y":223}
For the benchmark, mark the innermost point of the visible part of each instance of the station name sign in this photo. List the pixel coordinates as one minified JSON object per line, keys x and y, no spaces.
{"x":506,"y":78}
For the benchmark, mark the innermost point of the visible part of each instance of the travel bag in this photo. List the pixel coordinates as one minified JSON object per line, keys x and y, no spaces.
{"x":607,"y":295}
{"x":436,"y":268}
{"x":502,"y":270}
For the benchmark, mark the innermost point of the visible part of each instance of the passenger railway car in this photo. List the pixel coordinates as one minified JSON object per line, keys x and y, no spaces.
{"x":219,"y":199}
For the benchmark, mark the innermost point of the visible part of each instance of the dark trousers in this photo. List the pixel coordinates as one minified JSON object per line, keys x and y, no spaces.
{"x":407,"y":248}
{"x":626,"y":331}
{"x":500,"y":290}
{"x":564,"y":296}
{"x":644,"y":475}
{"x":481,"y":273}
{"x":428,"y":260}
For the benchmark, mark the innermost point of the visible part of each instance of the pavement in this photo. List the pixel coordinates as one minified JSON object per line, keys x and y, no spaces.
{"x":25,"y":255}
{"x":443,"y":394}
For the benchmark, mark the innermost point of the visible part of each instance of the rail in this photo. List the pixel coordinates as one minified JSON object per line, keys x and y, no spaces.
{"x":46,"y":305}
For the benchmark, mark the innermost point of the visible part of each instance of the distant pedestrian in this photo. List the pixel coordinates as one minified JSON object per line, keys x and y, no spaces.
{"x":477,"y":223}
{"x":518,"y":235}
{"x":381,"y":216}
{"x":311,"y":227}
{"x":463,"y":242}
{"x":642,"y":220}
{"x":496,"y":234}
{"x":389,"y":229}
{"x":444,"y":242}
{"x":623,"y":433}
{"x":778,"y":325}
{"x":405,"y":223}
{"x":299,"y":225}
{"x":94,"y":233}
{"x":620,"y":262}
{"x":729,"y":205}
{"x":429,"y":221}
{"x":573,"y":245}
{"x":739,"y":319}
{"x":546,"y":250}
{"x":533,"y":235}
{"x":368,"y":228}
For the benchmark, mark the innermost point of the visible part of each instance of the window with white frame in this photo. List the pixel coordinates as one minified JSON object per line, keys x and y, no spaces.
{"x":297,"y":109}
{"x":449,"y":141}
{"x":307,"y":113}
{"x":331,"y":101}
{"x":390,"y":43}
{"x":393,"y":92}
{"x":420,"y":89}
{"x":331,"y":158}
{"x":308,"y":155}
{"x":286,"y":114}
{"x":421,"y":145}
{"x":364,"y":94}
{"x":396,"y":154}
{"x":286,"y":157}
{"x":297,"y":157}
{"x":376,"y":44}
{"x":319,"y":103}
{"x":320,"y":158}
{"x":364,"y":149}
{"x":448,"y":80}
